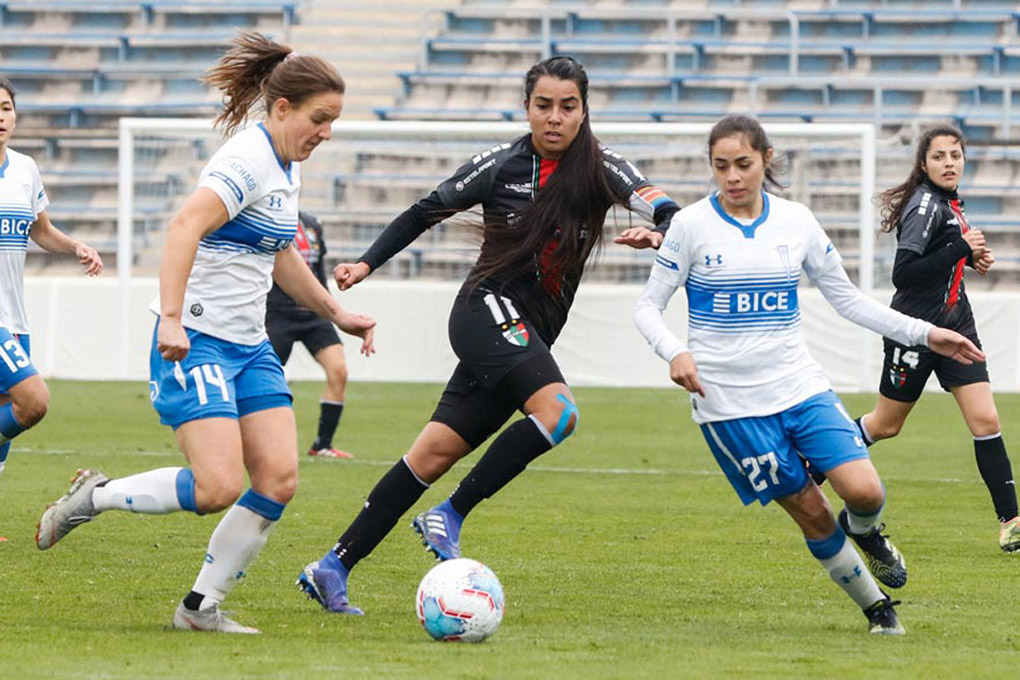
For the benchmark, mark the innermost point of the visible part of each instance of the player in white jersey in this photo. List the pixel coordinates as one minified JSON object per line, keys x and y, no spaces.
{"x":214,"y":375}
{"x":761,"y":400}
{"x":23,"y":394}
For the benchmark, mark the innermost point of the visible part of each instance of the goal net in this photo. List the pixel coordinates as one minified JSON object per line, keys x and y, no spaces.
{"x":373,"y":170}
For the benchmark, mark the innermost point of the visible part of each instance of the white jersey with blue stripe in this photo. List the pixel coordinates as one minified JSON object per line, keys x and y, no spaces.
{"x":744,"y":313}
{"x":22,"y":198}
{"x":233,"y":270}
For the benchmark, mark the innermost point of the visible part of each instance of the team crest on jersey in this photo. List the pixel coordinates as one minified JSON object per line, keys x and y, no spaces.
{"x":516,"y":334}
{"x":898,"y":376}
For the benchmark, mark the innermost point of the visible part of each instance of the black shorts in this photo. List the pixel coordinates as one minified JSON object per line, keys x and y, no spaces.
{"x":906,"y":370}
{"x":316,"y":334}
{"x":503,"y":362}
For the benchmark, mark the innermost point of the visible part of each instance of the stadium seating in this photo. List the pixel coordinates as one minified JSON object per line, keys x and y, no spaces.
{"x":79,"y":66}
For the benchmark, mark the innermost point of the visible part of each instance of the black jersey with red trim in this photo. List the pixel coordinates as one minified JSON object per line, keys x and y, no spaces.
{"x":310,"y":244}
{"x":932,"y":222}
{"x":504,"y":180}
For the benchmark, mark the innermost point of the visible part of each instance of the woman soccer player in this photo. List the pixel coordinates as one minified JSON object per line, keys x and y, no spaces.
{"x":288,"y":322}
{"x":545,"y":197}
{"x":23,"y":394}
{"x":214,"y":376}
{"x":935,"y":243}
{"x":756,"y":392}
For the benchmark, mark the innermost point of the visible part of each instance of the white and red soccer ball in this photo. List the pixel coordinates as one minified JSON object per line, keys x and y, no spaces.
{"x":460,"y":600}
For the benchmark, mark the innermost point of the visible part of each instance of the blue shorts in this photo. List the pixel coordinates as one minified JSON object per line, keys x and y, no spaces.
{"x":760,"y":455}
{"x":218,"y":379}
{"x":15,"y":364}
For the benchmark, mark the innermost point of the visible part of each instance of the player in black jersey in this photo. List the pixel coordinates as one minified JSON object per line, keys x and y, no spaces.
{"x":935,"y":243}
{"x":544,"y":198}
{"x":287,"y":322}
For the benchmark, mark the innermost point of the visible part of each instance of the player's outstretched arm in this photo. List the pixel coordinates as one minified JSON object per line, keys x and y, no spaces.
{"x":953,"y":345}
{"x":639,"y":237}
{"x":52,"y":240}
{"x":295,"y":278}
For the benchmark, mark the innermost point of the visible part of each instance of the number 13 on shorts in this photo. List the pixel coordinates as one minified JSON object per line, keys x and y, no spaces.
{"x":204,"y":377}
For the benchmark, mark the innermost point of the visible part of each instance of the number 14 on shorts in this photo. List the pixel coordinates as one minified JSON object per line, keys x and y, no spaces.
{"x":210,"y":375}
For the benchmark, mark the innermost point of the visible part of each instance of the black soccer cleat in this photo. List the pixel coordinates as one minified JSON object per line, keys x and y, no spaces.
{"x":882,"y":619}
{"x":883,"y":559}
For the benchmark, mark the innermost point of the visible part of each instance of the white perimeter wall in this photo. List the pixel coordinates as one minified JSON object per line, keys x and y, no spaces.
{"x":93,"y":329}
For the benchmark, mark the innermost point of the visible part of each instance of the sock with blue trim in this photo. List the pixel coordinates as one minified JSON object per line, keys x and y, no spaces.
{"x":846,"y":568}
{"x":862,"y":521}
{"x":234,"y":545}
{"x":154,"y":492}
{"x":507,"y":457}
{"x":9,"y":425}
{"x":5,"y":449}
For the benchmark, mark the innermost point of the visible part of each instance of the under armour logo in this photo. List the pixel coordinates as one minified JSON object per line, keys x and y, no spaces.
{"x":708,"y":260}
{"x":275,"y":203}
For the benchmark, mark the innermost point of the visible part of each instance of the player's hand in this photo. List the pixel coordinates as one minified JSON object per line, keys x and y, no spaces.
{"x":639,"y":237}
{"x":89,"y":258}
{"x":953,"y":345}
{"x":172,"y":340}
{"x":360,"y":325}
{"x":975,"y":238}
{"x":984,"y":263}
{"x":347,"y":274}
{"x":684,"y":372}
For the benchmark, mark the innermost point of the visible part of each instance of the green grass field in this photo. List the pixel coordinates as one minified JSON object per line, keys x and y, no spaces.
{"x":624,"y":553}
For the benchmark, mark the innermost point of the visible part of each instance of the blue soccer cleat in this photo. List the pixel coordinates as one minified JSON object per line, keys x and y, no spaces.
{"x":440,"y":531}
{"x":325,"y":582}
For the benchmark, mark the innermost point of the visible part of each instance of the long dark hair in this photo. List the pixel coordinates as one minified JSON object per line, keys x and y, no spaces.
{"x":893,"y":201}
{"x":573,"y":202}
{"x":754,"y":133}
{"x":255,"y":66}
{"x":9,"y":86}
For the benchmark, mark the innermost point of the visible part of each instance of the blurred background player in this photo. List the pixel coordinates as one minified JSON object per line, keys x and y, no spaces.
{"x":214,"y":377}
{"x":761,"y":399}
{"x":545,"y":197}
{"x":288,"y":322}
{"x":24,"y":397}
{"x":934,"y":245}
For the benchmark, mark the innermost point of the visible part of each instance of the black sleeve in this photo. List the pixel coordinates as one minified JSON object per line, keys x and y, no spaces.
{"x":916,"y":227}
{"x":467,"y":187}
{"x":643,"y":197}
{"x":911,"y":269}
{"x":403,"y":230}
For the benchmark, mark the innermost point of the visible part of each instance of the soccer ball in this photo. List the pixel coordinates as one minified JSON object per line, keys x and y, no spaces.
{"x":460,"y":600}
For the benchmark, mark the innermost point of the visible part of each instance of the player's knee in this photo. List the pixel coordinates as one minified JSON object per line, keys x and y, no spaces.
{"x":219,"y":494}
{"x":985,"y":424}
{"x":283,"y":488}
{"x":32,"y":406}
{"x":564,"y":420}
{"x":866,"y":495}
{"x":879,"y":430}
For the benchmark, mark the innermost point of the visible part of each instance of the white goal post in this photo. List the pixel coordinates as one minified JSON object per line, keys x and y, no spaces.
{"x":858,"y":138}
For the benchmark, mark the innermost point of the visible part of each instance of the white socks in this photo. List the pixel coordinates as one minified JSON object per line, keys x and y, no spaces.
{"x":846,"y":568}
{"x":155,"y":492}
{"x":235,"y":544}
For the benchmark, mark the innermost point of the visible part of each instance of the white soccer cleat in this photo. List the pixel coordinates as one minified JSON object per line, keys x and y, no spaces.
{"x":73,"y":508}
{"x":212,"y":620}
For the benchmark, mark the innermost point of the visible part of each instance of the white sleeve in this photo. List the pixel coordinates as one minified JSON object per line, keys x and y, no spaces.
{"x":648,"y":318}
{"x":233,"y":179}
{"x":857,"y":307}
{"x":39,"y":198}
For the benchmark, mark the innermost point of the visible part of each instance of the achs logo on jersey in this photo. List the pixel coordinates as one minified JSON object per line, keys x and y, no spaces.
{"x":898,"y":377}
{"x":516,"y":335}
